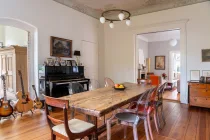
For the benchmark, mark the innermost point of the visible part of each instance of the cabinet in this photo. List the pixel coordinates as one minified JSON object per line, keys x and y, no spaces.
{"x":12,"y":59}
{"x":199,"y":94}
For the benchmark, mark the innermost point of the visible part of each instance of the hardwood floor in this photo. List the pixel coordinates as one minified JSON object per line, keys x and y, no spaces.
{"x":181,"y":123}
{"x":171,"y":95}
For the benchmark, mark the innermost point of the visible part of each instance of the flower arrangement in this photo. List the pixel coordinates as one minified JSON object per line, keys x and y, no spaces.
{"x":164,"y":76}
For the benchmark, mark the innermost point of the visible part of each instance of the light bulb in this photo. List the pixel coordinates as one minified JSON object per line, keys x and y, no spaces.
{"x":102,"y":20}
{"x":111,"y":24}
{"x":121,"y":16}
{"x":128,"y":22}
{"x":173,"y":42}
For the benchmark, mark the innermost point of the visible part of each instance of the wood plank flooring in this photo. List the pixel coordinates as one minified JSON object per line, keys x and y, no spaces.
{"x":182,"y":123}
{"x":171,"y":95}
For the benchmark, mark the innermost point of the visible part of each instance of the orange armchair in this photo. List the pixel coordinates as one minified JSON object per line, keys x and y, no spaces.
{"x":156,"y":80}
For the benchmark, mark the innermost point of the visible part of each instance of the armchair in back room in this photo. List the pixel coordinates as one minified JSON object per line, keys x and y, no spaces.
{"x":155,"y":79}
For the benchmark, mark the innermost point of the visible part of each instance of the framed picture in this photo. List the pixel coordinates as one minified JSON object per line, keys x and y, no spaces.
{"x":206,"y":73}
{"x":205,"y":55}
{"x":73,"y":63}
{"x":60,"y":47}
{"x":202,"y":79}
{"x":160,"y":62}
{"x":208,"y":80}
{"x":194,"y":75}
{"x":68,"y":62}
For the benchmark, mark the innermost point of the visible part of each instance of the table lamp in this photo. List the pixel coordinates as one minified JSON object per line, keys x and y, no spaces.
{"x":77,"y":54}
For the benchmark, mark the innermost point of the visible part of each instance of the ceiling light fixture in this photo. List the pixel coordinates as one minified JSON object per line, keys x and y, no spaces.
{"x":115,"y":15}
{"x":173,"y":42}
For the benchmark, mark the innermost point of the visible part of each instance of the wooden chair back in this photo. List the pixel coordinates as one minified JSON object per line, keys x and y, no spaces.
{"x":57,"y":103}
{"x":108,"y":82}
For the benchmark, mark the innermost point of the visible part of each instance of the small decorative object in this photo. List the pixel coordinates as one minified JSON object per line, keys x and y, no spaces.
{"x":57,"y":63}
{"x":164,"y":76}
{"x":77,"y":54}
{"x":160,"y":62}
{"x":63,"y":63}
{"x":73,"y":63}
{"x":208,"y":80}
{"x":202,"y":79}
{"x":119,"y":87}
{"x":194,"y":75}
{"x":205,"y":55}
{"x":45,"y":63}
{"x":60,"y":47}
{"x":206,"y":73}
{"x":68,"y":62}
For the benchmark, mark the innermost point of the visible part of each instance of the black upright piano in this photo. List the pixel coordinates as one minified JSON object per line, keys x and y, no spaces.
{"x":58,"y":78}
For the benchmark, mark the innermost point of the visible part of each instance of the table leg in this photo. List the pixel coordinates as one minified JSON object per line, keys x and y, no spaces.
{"x":95,"y":121}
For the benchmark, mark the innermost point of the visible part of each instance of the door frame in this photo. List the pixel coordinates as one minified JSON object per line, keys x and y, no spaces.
{"x":32,"y":50}
{"x":178,"y":24}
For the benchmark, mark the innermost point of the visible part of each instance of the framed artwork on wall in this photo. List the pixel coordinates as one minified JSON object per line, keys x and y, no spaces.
{"x":205,"y":55}
{"x":194,"y":75}
{"x":206,"y":73}
{"x":60,"y":47}
{"x":160,"y":62}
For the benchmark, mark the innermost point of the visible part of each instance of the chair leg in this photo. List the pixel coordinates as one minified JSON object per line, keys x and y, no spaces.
{"x":135,"y":133}
{"x":146,"y":129}
{"x":125,"y":132}
{"x":53,"y":136}
{"x":162,"y":114}
{"x":108,"y":127}
{"x":158,"y":117}
{"x":155,"y":120}
{"x":149,"y":125}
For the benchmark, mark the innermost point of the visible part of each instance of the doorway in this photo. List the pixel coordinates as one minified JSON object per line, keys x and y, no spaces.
{"x":13,"y":57}
{"x":156,"y":53}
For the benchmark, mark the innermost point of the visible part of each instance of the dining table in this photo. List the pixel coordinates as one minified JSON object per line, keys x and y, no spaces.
{"x":99,"y":102}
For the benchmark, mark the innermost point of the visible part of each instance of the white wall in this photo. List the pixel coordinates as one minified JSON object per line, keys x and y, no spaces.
{"x":119,"y":42}
{"x":2,"y":34}
{"x":161,"y":48}
{"x":15,"y":36}
{"x":48,"y":18}
{"x":52,"y":19}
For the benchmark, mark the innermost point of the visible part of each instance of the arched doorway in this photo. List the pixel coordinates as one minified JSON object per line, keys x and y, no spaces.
{"x":32,"y":49}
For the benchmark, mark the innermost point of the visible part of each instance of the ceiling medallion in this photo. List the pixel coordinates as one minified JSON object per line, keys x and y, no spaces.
{"x":115,"y":15}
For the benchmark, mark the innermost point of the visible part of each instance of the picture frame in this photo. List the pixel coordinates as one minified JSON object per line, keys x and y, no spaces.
{"x":60,"y":47}
{"x":194,"y":75}
{"x":50,"y":61}
{"x":73,"y":63}
{"x":205,"y":53}
{"x":63,"y":63}
{"x":208,"y":80}
{"x":68,"y":62}
{"x":160,"y":62}
{"x":202,"y":79}
{"x":206,"y":73}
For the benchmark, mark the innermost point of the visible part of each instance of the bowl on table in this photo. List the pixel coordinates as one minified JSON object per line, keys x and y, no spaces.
{"x":119,"y":87}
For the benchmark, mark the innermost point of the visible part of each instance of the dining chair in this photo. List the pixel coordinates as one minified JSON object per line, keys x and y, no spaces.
{"x":66,"y":129}
{"x":150,"y":111}
{"x":131,"y":117}
{"x":94,"y":84}
{"x":75,"y":87}
{"x":108,"y":82}
{"x":159,"y":104}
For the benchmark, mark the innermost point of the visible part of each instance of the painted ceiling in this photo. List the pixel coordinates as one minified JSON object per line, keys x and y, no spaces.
{"x":94,"y":8}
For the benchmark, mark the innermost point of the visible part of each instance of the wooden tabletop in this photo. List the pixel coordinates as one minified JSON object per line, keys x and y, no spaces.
{"x":104,"y":100}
